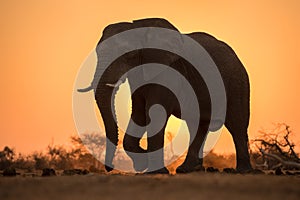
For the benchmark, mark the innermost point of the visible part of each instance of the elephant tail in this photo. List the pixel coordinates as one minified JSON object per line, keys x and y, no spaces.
{"x":85,"y":89}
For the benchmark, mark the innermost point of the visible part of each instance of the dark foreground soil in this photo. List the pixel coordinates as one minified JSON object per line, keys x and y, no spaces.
{"x":188,"y":186}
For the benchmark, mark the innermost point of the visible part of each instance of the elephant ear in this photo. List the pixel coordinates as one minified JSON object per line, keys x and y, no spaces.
{"x":161,"y":56}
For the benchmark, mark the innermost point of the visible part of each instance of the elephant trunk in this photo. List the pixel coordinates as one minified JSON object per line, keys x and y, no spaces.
{"x":105,"y":91}
{"x":105,"y":87}
{"x":104,"y":98}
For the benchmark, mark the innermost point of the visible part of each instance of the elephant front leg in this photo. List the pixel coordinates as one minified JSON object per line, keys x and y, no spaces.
{"x":157,"y":118}
{"x":156,"y":153}
{"x":135,"y":131}
{"x":132,"y":146}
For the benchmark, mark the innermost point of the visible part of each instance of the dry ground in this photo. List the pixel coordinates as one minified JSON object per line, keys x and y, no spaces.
{"x":187,"y":186}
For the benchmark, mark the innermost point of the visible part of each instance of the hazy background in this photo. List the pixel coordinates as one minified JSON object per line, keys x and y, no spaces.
{"x":43,"y":44}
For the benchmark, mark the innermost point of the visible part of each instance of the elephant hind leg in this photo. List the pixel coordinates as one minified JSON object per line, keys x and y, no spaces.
{"x":236,"y":122}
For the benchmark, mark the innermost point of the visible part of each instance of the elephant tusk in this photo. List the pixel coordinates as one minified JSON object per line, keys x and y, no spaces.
{"x":110,"y":85}
{"x":114,"y":85}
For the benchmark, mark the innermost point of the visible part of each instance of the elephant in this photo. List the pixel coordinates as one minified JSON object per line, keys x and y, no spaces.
{"x":236,"y":85}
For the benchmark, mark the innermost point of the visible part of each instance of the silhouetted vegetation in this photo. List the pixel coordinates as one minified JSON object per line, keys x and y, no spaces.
{"x":56,"y":157}
{"x":6,"y":157}
{"x":274,"y":148}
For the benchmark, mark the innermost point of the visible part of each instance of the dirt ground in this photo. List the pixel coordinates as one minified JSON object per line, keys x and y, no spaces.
{"x":187,"y":186}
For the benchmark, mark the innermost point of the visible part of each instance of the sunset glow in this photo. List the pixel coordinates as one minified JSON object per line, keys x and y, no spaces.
{"x":44,"y":43}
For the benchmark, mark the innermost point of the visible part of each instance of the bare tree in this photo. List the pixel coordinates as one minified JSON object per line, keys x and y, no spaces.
{"x":277,"y":148}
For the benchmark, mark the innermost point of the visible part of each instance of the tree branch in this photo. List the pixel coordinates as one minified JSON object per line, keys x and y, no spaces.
{"x":283,"y":162}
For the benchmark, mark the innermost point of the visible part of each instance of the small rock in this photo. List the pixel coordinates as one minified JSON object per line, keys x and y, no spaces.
{"x":71,"y":172}
{"x":48,"y":172}
{"x":257,"y":171}
{"x":9,"y":172}
{"x":229,"y":170}
{"x":278,"y":171}
{"x":212,"y":169}
{"x":85,"y":172}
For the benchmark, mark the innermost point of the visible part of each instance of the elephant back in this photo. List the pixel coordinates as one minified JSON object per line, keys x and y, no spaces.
{"x":116,"y":28}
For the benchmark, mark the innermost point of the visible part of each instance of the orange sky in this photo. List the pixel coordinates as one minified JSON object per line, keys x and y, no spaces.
{"x":43,"y":44}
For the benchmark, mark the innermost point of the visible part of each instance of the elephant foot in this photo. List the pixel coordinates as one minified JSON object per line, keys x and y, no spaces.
{"x":140,"y":163}
{"x":140,"y":166}
{"x":108,"y":168}
{"x":140,"y":160}
{"x":184,"y":168}
{"x":159,"y":171}
{"x":244,"y":169}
